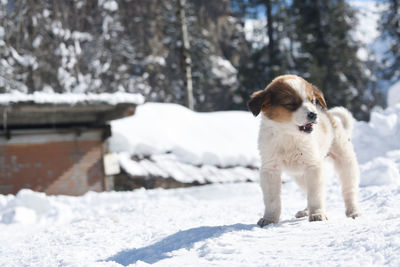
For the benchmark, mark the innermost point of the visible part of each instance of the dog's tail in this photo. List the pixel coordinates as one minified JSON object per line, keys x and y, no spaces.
{"x":344,"y":116}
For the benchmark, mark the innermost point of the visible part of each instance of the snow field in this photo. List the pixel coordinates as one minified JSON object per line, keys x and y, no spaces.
{"x":202,"y":226}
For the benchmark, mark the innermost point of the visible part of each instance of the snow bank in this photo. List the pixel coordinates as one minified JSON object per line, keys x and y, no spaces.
{"x":378,"y":136}
{"x":377,"y":144}
{"x":379,"y":171}
{"x":216,"y":138}
{"x":229,"y":139}
{"x":393,"y":97}
{"x":70,"y":98}
{"x":29,"y":207}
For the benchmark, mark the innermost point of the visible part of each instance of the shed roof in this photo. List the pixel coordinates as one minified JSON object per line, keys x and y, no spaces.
{"x":70,"y":98}
{"x":50,"y":109}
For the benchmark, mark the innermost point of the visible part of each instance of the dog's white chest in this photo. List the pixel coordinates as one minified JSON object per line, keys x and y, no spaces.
{"x":293,"y":160}
{"x":290,"y":153}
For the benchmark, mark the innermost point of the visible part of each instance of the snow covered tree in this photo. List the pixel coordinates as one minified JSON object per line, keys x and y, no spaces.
{"x":270,"y":58}
{"x":390,"y":28}
{"x":136,"y":46}
{"x":217,"y":47}
{"x":326,"y":53}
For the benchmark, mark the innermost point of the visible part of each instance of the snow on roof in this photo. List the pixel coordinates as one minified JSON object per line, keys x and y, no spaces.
{"x":166,"y":166}
{"x":71,"y":98}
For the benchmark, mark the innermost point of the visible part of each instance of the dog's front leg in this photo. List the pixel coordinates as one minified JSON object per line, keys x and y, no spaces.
{"x":315,"y":193}
{"x":270,"y":180}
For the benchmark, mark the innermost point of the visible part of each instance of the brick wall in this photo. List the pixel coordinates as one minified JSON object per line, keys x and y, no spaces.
{"x":55,"y":162}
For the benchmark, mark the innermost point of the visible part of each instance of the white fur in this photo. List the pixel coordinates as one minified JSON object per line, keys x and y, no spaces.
{"x":345,"y":116}
{"x":297,"y":84}
{"x":283,"y":147}
{"x":300,"y":115}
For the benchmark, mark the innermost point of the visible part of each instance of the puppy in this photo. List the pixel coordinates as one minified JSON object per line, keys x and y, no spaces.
{"x":297,"y":133}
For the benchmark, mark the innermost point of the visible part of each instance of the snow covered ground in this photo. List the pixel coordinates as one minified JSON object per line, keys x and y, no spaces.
{"x":212,"y":225}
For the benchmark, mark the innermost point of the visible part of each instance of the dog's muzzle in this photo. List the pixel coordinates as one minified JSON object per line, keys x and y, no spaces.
{"x":307,"y":128}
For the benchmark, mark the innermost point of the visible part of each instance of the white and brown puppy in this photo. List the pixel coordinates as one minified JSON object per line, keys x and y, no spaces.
{"x":297,"y":133}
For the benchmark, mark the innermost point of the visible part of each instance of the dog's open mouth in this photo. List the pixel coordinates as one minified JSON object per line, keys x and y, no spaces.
{"x":307,"y":128}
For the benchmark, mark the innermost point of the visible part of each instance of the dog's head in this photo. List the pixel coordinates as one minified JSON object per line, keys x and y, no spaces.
{"x":289,"y":100}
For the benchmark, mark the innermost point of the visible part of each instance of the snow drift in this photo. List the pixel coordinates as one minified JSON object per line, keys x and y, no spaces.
{"x":230,"y":139}
{"x":218,"y":138}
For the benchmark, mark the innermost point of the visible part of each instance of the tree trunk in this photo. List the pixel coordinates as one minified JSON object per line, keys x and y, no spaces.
{"x":270,"y":30}
{"x":185,"y":56}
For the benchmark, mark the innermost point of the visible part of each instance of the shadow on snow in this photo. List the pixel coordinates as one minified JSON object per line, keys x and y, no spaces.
{"x":182,"y":239}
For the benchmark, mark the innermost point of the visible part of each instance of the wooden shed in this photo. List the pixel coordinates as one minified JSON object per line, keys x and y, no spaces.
{"x":56,"y":143}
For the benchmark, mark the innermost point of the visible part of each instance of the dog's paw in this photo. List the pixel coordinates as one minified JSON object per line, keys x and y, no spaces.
{"x":302,"y":213}
{"x":263,"y":222}
{"x":317,"y":217}
{"x":353,"y":213}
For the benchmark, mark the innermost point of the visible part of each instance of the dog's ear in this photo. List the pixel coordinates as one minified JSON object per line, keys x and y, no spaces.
{"x":320,"y":97}
{"x":257,"y":100}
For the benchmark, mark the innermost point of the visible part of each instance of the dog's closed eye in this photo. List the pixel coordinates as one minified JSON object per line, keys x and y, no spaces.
{"x":291,"y":106}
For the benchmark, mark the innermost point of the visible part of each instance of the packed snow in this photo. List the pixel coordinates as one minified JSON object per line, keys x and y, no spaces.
{"x":212,"y":225}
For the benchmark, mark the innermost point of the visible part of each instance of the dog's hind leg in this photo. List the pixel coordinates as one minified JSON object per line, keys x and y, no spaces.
{"x":302,"y":213}
{"x":346,"y":165}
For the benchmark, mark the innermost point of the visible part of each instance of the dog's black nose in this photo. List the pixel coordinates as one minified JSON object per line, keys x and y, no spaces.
{"x":312,"y":116}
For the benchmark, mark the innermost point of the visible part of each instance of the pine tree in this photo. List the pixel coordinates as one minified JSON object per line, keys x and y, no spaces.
{"x":273,"y":58}
{"x":390,"y":28}
{"x":127,"y":45}
{"x":327,"y":54}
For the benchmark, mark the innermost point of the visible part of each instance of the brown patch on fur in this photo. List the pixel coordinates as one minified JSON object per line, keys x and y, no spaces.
{"x":318,"y":94}
{"x":310,"y":92}
{"x":277,"y":101}
{"x":258,"y":100}
{"x":283,"y":101}
{"x":313,"y":93}
{"x":278,"y":113}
